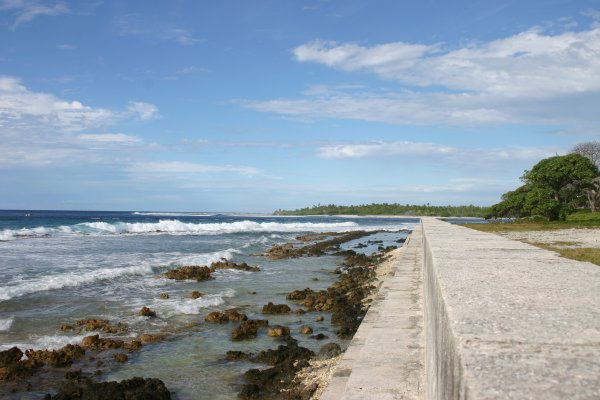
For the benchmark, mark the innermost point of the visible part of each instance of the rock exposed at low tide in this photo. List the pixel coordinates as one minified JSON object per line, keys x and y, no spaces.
{"x":225,"y":316}
{"x":83,"y":388}
{"x":248,"y":329}
{"x":191,"y":272}
{"x":271,"y":308}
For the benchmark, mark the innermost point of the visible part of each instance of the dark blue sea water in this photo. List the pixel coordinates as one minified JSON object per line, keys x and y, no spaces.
{"x":60,"y":266}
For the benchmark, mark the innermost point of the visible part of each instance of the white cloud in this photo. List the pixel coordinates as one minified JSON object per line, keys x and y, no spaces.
{"x":41,"y":129}
{"x":109,"y":138}
{"x":476,"y":159}
{"x":135,"y":25}
{"x":143,"y":110}
{"x":382,"y":149}
{"x":530,"y":63}
{"x":26,"y":10}
{"x":352,"y":57}
{"x":66,"y":46}
{"x":532,"y":77}
{"x":21,"y":109}
{"x":173,"y":168}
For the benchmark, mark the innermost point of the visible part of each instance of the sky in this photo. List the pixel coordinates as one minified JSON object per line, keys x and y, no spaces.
{"x":259,"y":105}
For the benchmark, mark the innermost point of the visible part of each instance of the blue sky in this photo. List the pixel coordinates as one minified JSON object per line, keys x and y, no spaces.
{"x":259,"y":105}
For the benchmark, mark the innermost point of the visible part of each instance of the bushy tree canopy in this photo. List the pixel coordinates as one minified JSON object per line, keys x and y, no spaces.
{"x":553,"y":188}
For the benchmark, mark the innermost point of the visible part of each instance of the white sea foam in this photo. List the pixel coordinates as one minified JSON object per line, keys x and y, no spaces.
{"x":5,"y":324}
{"x":178,"y":227}
{"x":206,"y":258}
{"x":46,"y":342}
{"x":173,"y":214}
{"x":175,"y":227}
{"x":192,"y":306}
{"x":70,"y":279}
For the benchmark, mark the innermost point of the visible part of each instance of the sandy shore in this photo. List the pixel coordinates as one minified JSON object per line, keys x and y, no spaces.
{"x":319,"y":373}
{"x":567,"y":238}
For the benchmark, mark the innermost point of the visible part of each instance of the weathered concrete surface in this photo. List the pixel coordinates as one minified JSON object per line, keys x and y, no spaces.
{"x":506,"y":320}
{"x":386,"y":357}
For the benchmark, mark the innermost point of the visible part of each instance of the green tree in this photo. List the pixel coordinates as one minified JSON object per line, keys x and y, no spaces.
{"x":553,"y":188}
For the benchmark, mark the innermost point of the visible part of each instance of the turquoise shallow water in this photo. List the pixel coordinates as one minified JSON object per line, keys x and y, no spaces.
{"x":58,"y":267}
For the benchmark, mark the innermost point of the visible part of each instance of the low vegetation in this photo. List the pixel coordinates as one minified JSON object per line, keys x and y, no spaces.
{"x":555,"y":187}
{"x":389,"y":209}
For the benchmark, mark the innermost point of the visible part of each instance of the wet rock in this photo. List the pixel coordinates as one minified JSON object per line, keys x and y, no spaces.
{"x":277,"y":331}
{"x":10,"y":356}
{"x":276,"y":308}
{"x":151,"y":337}
{"x":146,"y":312}
{"x":235,"y":355}
{"x":130,"y":389}
{"x":120,"y":357}
{"x":95,"y":324}
{"x":194,"y":272}
{"x":319,"y":336}
{"x":164,"y":296}
{"x":196,"y":294}
{"x":97,"y":343}
{"x":224,"y":264}
{"x":225,"y":316}
{"x":282,"y":251}
{"x":320,"y":318}
{"x":286,"y":361}
{"x":299,"y":311}
{"x":63,"y":357}
{"x":248,"y":329}
{"x":300,"y":294}
{"x":306,"y":330}
{"x":132,"y":346}
{"x":329,"y":350}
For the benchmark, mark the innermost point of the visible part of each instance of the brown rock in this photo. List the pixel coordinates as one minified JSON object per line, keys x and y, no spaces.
{"x":151,"y":338}
{"x":276,"y":308}
{"x":120,"y":357}
{"x":132,"y":346}
{"x":319,"y":318}
{"x":164,"y":296}
{"x":281,"y":251}
{"x":306,"y":330}
{"x":225,"y":316}
{"x":277,"y":331}
{"x":10,"y":356}
{"x":146,"y":312}
{"x":196,"y":294}
{"x":224,"y":264}
{"x":56,"y":358}
{"x":299,"y":294}
{"x":248,"y":329}
{"x":194,"y":272}
{"x":130,"y":389}
{"x":97,"y":343}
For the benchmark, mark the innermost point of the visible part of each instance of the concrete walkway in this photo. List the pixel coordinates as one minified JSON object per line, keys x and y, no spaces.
{"x":386,"y":357}
{"x":473,"y":315}
{"x":507,"y":320}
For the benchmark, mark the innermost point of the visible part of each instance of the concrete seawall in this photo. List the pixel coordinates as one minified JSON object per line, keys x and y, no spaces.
{"x":472,"y":315}
{"x":507,"y":320}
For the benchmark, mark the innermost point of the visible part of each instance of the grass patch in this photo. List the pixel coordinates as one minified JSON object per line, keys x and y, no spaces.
{"x":589,"y":254}
{"x":580,"y":219}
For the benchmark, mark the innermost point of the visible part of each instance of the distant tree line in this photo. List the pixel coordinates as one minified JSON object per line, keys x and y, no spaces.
{"x":555,"y":187}
{"x":389,"y":209}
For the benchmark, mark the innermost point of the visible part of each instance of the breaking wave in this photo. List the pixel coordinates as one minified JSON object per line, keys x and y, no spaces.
{"x":70,"y":279}
{"x":175,"y":227}
{"x":5,"y":324}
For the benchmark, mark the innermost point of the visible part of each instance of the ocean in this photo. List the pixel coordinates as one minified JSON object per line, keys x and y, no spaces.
{"x":57,"y":267}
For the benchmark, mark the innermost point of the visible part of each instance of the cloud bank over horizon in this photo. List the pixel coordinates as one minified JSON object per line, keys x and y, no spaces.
{"x":232,"y":107}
